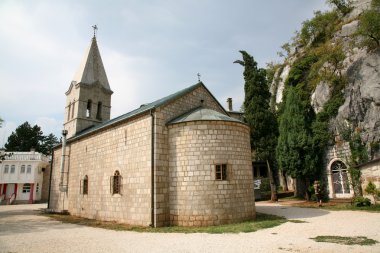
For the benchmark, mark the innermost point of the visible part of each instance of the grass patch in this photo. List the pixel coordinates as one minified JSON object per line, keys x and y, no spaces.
{"x":297,"y":221}
{"x":337,"y":206}
{"x":357,"y":240}
{"x":348,"y":207}
{"x":262,"y":221}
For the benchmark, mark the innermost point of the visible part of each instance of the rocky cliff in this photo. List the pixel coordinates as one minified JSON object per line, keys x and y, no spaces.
{"x":359,"y":67}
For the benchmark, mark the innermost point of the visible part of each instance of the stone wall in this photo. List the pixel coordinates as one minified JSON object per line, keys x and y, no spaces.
{"x":196,"y":197}
{"x":198,"y":97}
{"x":45,"y":184}
{"x":370,"y":172}
{"x":125,"y":147}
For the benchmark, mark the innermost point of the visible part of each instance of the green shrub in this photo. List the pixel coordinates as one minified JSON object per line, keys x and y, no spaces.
{"x":320,"y":28}
{"x":265,"y":185}
{"x":369,"y":26}
{"x":361,"y":201}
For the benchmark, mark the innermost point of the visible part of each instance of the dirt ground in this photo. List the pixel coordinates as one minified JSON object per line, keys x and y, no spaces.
{"x":22,"y":230}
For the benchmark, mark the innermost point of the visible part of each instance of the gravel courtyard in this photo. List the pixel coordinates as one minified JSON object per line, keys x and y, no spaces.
{"x":21,"y":230}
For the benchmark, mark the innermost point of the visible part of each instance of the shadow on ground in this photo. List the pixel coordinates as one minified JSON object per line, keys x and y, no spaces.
{"x":288,"y":211}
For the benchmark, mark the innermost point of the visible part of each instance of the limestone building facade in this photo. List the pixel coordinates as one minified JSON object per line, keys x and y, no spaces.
{"x":180,"y":160}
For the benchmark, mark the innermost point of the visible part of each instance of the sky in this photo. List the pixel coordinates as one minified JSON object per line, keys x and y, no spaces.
{"x":150,"y":49}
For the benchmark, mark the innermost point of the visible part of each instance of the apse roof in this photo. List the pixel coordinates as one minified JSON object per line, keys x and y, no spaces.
{"x":202,"y":113}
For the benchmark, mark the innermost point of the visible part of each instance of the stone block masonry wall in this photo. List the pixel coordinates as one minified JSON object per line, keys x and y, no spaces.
{"x":45,"y":184}
{"x":370,"y":172}
{"x":163,"y":115}
{"x":125,"y":147}
{"x":196,"y":197}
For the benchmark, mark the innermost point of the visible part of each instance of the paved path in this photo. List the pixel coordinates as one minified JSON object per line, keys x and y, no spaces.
{"x":21,"y":230}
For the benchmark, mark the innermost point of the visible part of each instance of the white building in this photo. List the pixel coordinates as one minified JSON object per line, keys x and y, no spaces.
{"x":21,"y":177}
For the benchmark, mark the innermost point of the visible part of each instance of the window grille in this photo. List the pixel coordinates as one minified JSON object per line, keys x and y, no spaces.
{"x":221,"y":172}
{"x":115,"y":183}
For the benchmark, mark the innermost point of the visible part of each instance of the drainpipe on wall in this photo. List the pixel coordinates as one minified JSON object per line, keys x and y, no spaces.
{"x":64,"y":133}
{"x":152,"y":170}
{"x":51,"y":172}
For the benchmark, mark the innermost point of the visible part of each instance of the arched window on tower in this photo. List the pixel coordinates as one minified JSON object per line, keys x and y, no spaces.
{"x":115,"y":183}
{"x":68,"y":112}
{"x":72,"y":109}
{"x":99,"y":111}
{"x":88,"y":111}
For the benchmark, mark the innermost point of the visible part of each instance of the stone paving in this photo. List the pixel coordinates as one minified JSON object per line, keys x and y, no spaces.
{"x":22,"y":230}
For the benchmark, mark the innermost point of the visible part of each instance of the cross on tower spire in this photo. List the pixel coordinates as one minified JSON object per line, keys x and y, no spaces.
{"x":95,"y":27}
{"x":199,"y":77}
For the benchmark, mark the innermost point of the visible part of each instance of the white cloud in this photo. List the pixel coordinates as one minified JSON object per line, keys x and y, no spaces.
{"x":6,"y":130}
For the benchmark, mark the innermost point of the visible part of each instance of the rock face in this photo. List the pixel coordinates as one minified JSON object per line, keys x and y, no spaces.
{"x":361,"y":108}
{"x":362,"y":96}
{"x":321,"y":95}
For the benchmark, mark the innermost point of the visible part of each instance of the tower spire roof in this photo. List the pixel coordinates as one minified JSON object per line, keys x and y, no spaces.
{"x":91,"y":69}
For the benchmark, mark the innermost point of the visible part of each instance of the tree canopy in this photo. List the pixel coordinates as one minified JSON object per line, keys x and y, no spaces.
{"x":369,"y":26}
{"x":26,"y":137}
{"x":259,"y":117}
{"x":257,"y":113}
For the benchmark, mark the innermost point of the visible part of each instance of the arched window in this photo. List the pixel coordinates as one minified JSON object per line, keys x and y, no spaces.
{"x":6,"y":169}
{"x":85,"y":185}
{"x":29,"y":169}
{"x":99,"y":111}
{"x":115,"y":183}
{"x":22,"y":170}
{"x":72,"y":109}
{"x":68,"y":112}
{"x":340,"y":178}
{"x":88,"y":111}
{"x":13,"y":169}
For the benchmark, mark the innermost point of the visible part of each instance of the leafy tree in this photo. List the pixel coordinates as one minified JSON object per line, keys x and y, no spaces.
{"x":320,"y":28}
{"x":27,"y":137}
{"x":344,"y":6}
{"x":294,"y":148}
{"x":369,"y":26}
{"x":48,"y":143}
{"x":258,"y":115}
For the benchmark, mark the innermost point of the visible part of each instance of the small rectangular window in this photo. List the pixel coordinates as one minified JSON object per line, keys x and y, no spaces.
{"x":6,"y":169}
{"x":13,"y":169}
{"x":29,"y":169}
{"x":221,"y":172}
{"x":26,"y":188}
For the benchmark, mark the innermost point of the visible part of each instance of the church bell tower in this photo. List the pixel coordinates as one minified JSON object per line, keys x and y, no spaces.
{"x":88,"y":99}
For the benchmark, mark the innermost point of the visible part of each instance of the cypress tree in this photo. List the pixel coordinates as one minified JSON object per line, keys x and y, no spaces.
{"x":258,"y":115}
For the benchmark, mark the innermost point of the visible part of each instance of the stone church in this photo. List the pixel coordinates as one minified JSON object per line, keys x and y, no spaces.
{"x":180,"y":160}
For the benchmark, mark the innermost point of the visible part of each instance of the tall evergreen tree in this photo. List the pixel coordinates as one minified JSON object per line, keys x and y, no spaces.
{"x":258,"y":115}
{"x":295,"y":144}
